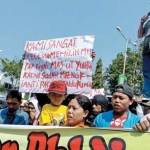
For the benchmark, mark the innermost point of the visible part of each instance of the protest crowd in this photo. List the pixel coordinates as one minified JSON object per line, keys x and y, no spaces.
{"x":58,"y":108}
{"x":75,"y":110}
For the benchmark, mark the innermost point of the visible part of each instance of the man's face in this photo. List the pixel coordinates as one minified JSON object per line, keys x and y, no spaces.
{"x":120,"y":102}
{"x":56,"y":99}
{"x":13,"y":104}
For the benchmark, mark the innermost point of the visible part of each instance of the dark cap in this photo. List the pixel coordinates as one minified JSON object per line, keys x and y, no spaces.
{"x":125,"y":89}
{"x":58,"y":87}
{"x":100,"y":100}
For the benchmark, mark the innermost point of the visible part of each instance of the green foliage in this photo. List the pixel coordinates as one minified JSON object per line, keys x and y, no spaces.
{"x":132,"y":70}
{"x":12,"y":69}
{"x":2,"y":88}
{"x":114,"y":70}
{"x":98,"y":75}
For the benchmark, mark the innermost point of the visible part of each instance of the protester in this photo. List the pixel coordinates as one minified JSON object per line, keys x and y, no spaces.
{"x":100,"y":103}
{"x":34,"y":110}
{"x":55,"y":113}
{"x":120,"y":116}
{"x":144,"y":31}
{"x":24,"y":105}
{"x":93,"y":55}
{"x":79,"y":109}
{"x":143,"y":124}
{"x":3,"y":103}
{"x":12,"y":114}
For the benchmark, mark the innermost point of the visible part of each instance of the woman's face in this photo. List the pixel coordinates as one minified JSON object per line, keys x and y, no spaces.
{"x":75,"y":113}
{"x":31,"y":107}
{"x":25,"y":108}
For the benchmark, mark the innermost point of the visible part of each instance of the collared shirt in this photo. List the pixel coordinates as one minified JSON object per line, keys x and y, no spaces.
{"x":104,"y":120}
{"x":18,"y":118}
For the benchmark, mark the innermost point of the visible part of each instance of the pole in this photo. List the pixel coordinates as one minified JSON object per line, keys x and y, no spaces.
{"x":122,"y":77}
{"x":125,"y":57}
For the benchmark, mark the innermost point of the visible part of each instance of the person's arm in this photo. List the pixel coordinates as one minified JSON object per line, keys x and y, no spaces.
{"x":143,"y":125}
{"x":93,"y":55}
{"x":141,"y":27}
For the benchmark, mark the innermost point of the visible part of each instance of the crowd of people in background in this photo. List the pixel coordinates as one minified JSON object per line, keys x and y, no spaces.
{"x":122,"y":110}
{"x":75,"y":110}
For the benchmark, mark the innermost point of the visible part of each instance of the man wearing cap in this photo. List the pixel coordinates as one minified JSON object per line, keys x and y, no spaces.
{"x":55,"y":113}
{"x":120,"y":116}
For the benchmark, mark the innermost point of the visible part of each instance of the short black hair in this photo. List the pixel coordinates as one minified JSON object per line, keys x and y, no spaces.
{"x":14,"y":94}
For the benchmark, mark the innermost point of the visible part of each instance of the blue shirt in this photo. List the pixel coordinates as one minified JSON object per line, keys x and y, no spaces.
{"x":18,"y":118}
{"x":104,"y":119}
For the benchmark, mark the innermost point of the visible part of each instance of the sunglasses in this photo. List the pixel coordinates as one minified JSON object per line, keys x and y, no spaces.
{"x":12,"y":103}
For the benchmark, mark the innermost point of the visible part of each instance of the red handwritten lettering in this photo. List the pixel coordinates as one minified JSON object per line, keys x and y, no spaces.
{"x":31,"y":75}
{"x":97,"y":143}
{"x":57,"y":53}
{"x":26,"y":84}
{"x":83,"y":65}
{"x":37,"y":141}
{"x":53,"y":141}
{"x":76,"y":143}
{"x":50,"y":75}
{"x":78,"y":84}
{"x":28,"y":66}
{"x":86,"y":51}
{"x":41,"y":141}
{"x":69,"y":65}
{"x":10,"y":145}
{"x":117,"y":144}
{"x":69,"y":75}
{"x":50,"y":44}
{"x":41,"y":66}
{"x":57,"y":64}
{"x":31,"y":56}
{"x":44,"y":84}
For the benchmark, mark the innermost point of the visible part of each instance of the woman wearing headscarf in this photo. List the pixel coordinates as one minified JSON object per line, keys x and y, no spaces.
{"x":34,"y":110}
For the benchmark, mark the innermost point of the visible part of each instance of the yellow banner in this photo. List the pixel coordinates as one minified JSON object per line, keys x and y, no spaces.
{"x":53,"y":138}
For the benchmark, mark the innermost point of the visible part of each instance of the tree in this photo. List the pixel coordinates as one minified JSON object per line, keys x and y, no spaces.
{"x":114,"y":70}
{"x":12,"y":69}
{"x":132,"y":72}
{"x":98,"y":75}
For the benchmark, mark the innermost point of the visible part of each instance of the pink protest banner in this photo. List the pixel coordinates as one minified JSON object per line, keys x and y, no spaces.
{"x":68,"y":59}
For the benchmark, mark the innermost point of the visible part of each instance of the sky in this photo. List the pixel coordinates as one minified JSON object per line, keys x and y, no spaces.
{"x":31,"y":20}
